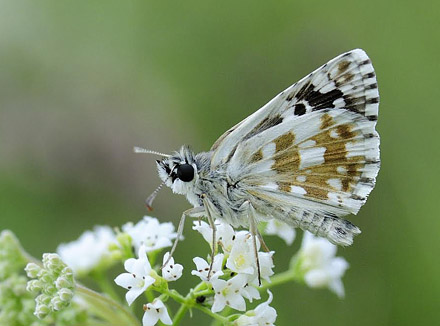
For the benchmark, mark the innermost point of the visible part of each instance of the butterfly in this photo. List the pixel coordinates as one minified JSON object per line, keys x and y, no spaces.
{"x":307,"y":158}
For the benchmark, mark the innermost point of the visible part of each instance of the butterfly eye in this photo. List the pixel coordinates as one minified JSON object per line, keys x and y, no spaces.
{"x":185,"y":172}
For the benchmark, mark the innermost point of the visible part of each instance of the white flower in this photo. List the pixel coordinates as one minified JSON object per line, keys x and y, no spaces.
{"x":242,"y":257}
{"x":138,"y":278}
{"x":155,"y":311}
{"x":151,"y":233}
{"x":171,"y":271}
{"x":224,"y":233}
{"x":266,"y":265}
{"x":90,"y":250}
{"x":262,"y":315}
{"x":229,"y":293}
{"x":204,"y":229}
{"x":284,"y":231}
{"x":322,"y":269}
{"x":250,"y":293}
{"x":202,"y":268}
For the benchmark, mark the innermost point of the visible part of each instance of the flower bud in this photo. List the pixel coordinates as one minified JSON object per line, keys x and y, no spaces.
{"x":34,"y":286}
{"x":65,"y":295}
{"x":56,"y":303}
{"x":54,"y":281}
{"x":41,"y":311}
{"x":32,"y":270}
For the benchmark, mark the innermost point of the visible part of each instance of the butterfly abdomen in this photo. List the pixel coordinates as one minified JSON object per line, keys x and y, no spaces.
{"x":337,"y":230}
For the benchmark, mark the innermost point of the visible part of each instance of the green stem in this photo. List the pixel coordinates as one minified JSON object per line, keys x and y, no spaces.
{"x":284,"y":277}
{"x":108,"y":306}
{"x":180,"y":314}
{"x":219,"y":319}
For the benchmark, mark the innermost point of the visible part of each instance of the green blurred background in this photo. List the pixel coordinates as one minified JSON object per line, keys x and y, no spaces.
{"x":81,"y":82}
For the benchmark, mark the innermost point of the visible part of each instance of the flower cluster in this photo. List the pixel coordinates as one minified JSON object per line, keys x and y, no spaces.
{"x":227,"y":280}
{"x":54,"y":281}
{"x":150,"y":233}
{"x":239,"y":280}
{"x":149,"y":236}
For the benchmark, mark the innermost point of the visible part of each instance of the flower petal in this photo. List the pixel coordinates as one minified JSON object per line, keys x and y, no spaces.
{"x":132,"y":294}
{"x":125,"y":280}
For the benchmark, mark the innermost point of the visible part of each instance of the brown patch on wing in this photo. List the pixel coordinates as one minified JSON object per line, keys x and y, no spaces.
{"x":343,"y":66}
{"x":286,"y":156}
{"x":345,"y":78}
{"x":345,"y":132}
{"x":326,"y":121}
{"x":284,"y":142}
{"x":257,"y":156}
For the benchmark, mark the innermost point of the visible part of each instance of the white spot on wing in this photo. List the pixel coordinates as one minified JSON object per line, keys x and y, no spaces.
{"x":297,"y":190}
{"x":334,"y":133}
{"x":335,"y":183}
{"x":270,"y":186}
{"x":311,"y":156}
{"x":341,"y":170}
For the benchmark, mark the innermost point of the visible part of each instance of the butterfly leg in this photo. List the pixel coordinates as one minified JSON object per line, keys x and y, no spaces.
{"x":193,"y":212}
{"x":207,"y":204}
{"x":254,"y":232}
{"x":263,"y":244}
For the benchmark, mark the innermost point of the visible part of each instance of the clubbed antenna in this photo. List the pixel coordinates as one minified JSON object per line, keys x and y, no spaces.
{"x":147,"y":151}
{"x":150,"y":199}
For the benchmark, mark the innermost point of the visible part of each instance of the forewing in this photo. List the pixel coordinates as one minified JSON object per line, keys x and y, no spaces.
{"x":347,"y":82}
{"x":315,"y":144}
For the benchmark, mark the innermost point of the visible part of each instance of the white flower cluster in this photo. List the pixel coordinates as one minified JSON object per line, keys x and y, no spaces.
{"x":230,"y":278}
{"x":149,"y":235}
{"x":240,"y":275}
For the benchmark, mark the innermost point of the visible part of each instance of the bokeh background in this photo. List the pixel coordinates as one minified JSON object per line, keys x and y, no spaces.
{"x":81,"y":82}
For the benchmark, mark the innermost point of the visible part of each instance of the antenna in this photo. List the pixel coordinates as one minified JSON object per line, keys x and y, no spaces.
{"x":150,"y":199}
{"x":147,"y":151}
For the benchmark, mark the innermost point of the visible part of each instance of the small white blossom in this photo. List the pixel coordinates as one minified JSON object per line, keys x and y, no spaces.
{"x":151,"y":233}
{"x":89,"y":251}
{"x":284,"y":231}
{"x":229,"y":293}
{"x":202,"y":268}
{"x":171,"y":271}
{"x":204,"y":229}
{"x":242,"y":257}
{"x":250,"y":292}
{"x":224,"y":233}
{"x":262,"y":315}
{"x":322,"y":269}
{"x":155,"y":311}
{"x":138,"y":278}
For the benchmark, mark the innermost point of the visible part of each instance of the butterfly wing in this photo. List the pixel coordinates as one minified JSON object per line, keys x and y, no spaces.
{"x":312,"y":150}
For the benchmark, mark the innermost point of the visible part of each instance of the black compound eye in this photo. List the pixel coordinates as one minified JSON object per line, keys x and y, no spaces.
{"x":185,"y":172}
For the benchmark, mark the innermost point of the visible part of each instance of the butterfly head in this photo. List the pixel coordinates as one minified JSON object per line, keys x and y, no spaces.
{"x":179,"y":171}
